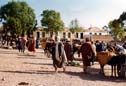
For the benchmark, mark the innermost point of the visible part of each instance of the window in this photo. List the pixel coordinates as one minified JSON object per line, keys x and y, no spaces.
{"x":69,"y":35}
{"x":90,"y":33}
{"x":51,"y":34}
{"x":38,"y":34}
{"x":95,"y":33}
{"x":43,"y":34}
{"x":76,"y":35}
{"x":81,"y":35}
{"x":64,"y":35}
{"x":100,"y":33}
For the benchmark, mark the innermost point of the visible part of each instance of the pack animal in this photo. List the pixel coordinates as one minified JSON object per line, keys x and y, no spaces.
{"x":103,"y":58}
{"x":110,"y":58}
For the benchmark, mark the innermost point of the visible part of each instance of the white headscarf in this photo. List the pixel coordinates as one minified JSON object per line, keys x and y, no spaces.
{"x":62,"y":49}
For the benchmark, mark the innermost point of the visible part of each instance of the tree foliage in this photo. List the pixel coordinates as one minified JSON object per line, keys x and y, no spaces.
{"x":116,"y":29}
{"x":118,"y":26}
{"x":51,"y":20}
{"x":74,"y":26}
{"x":18,"y":17}
{"x":122,"y":18}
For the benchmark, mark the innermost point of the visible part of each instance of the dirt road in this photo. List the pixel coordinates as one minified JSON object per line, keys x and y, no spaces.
{"x":37,"y":70}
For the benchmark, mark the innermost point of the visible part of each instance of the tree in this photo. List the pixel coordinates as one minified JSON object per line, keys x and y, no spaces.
{"x":122,"y":18}
{"x":116,"y":29}
{"x":106,"y":28}
{"x":74,"y":26}
{"x":18,"y":18}
{"x":51,"y":21}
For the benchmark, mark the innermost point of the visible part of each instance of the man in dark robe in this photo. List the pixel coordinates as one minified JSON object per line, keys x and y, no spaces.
{"x":86,"y":51}
{"x":58,"y":54}
{"x":31,"y":44}
{"x":19,"y":44}
{"x":68,"y":50}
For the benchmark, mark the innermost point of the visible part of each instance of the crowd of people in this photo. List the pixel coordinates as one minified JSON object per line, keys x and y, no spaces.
{"x":20,"y":43}
{"x":62,"y":51}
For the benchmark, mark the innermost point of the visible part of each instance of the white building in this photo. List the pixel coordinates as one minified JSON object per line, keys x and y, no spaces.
{"x":92,"y":31}
{"x":40,"y":33}
{"x":96,"y":31}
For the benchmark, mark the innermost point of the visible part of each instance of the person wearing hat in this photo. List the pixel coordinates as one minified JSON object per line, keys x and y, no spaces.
{"x":86,"y":51}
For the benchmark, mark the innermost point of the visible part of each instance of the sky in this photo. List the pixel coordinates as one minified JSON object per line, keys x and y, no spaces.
{"x":88,"y":12}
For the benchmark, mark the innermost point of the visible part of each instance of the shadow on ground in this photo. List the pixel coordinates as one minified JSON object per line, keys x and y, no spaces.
{"x":30,"y":72}
{"x":92,"y":76}
{"x":28,"y":56}
{"x":8,"y":52}
{"x":38,"y":63}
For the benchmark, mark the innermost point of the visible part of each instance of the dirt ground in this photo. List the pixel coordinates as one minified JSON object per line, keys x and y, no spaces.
{"x":18,"y":69}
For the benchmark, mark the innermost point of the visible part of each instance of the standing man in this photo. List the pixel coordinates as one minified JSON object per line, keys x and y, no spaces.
{"x":31,"y":44}
{"x":86,"y":51}
{"x":68,"y":50}
{"x":19,"y":44}
{"x":58,"y":54}
{"x":23,"y":40}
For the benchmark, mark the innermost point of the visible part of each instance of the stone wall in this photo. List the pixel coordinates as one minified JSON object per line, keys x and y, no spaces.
{"x":105,"y":38}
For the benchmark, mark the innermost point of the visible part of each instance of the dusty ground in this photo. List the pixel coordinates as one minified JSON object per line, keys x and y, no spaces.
{"x":36,"y":70}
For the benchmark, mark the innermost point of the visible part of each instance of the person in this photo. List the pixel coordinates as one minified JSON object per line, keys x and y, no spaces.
{"x":31,"y":44}
{"x":100,"y":46}
{"x":120,"y":49}
{"x":95,"y":53}
{"x":23,"y":40}
{"x":37,"y":43}
{"x":87,"y":51}
{"x":68,"y":51}
{"x":58,"y":54}
{"x":48,"y":48}
{"x":19,"y":44}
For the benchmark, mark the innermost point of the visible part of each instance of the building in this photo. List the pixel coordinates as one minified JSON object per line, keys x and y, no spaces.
{"x":93,"y":33}
{"x":40,"y":33}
